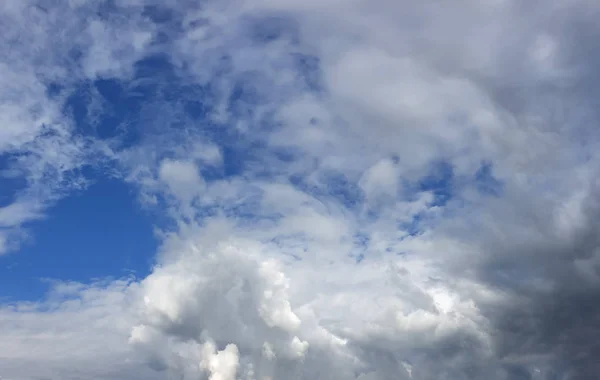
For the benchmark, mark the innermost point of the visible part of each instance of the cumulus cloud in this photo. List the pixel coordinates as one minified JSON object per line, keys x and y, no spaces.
{"x":220,"y":298}
{"x":354,"y":190}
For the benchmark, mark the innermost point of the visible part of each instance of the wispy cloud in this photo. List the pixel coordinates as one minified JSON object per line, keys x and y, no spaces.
{"x":49,"y":48}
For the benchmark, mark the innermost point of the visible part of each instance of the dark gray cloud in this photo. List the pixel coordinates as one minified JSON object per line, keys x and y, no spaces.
{"x":551,"y":286}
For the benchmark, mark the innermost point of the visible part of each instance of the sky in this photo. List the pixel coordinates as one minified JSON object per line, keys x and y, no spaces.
{"x":270,"y":190}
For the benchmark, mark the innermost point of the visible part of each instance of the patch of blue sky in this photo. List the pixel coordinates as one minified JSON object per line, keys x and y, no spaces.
{"x":485,"y":181}
{"x":159,"y":14}
{"x":155,"y":101}
{"x":439,"y":181}
{"x":11,"y":179}
{"x":237,"y":157}
{"x":414,"y":227}
{"x":186,"y":111}
{"x":268,"y":28}
{"x":107,"y":9}
{"x":54,"y":89}
{"x":360,"y":244}
{"x":442,"y":182}
{"x":332,"y":186}
{"x":96,"y":233}
{"x":101,"y":109}
{"x":308,"y":67}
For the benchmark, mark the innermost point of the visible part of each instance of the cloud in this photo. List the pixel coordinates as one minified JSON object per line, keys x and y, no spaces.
{"x":182,"y":178}
{"x":217,"y":294}
{"x":352,"y":190}
{"x":79,"y":331}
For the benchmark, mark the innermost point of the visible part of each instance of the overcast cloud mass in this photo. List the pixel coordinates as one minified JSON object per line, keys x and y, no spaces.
{"x":367,"y":190}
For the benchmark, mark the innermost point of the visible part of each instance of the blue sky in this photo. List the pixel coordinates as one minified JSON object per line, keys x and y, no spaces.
{"x":244,"y":190}
{"x":97,"y":233}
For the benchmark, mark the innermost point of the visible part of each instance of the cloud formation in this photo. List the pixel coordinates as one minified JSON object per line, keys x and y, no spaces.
{"x":362,"y":190}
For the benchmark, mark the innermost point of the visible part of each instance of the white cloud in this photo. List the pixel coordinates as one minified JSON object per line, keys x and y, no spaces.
{"x":182,"y":178}
{"x":80,"y":331}
{"x":380,"y":181}
{"x":221,"y":364}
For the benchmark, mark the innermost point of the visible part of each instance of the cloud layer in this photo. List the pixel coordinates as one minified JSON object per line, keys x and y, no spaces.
{"x":362,"y":190}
